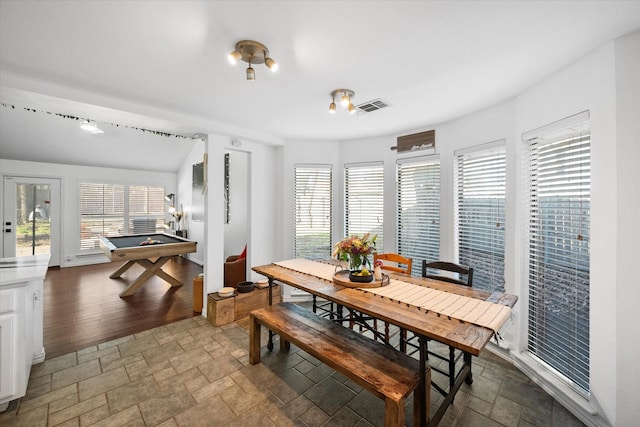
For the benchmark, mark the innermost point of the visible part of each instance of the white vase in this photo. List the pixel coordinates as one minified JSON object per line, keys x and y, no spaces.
{"x":377,"y":273}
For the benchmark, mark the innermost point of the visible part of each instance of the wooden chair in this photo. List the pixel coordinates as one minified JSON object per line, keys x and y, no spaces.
{"x":235,"y":270}
{"x":398,"y":261}
{"x":441,"y":266}
{"x":451,"y":267}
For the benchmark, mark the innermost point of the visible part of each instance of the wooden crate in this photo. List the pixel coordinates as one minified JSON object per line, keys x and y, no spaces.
{"x":221,"y":311}
{"x":258,"y":298}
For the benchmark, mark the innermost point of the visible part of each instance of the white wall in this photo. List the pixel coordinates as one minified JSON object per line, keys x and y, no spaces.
{"x":236,"y":232}
{"x":262,"y":223}
{"x":195,"y":229}
{"x":71,"y":176}
{"x":265,"y":237}
{"x":627,"y":284}
{"x":588,"y":84}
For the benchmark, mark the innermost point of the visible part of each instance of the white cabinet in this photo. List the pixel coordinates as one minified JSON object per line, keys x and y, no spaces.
{"x":21,"y":328}
{"x":7,"y":348}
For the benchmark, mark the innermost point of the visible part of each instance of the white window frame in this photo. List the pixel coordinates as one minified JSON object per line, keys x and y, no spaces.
{"x":481,"y":245}
{"x":417,"y":247}
{"x":127,"y":226}
{"x":320,"y":206}
{"x":367,"y":200}
{"x":568,"y":300}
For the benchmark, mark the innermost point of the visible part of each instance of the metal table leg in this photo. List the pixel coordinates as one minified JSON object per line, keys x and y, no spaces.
{"x":270,"y":342}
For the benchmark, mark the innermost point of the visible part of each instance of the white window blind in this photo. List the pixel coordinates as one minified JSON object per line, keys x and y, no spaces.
{"x":313,"y":204}
{"x":117,"y":209}
{"x":101,"y":213}
{"x":559,"y":217}
{"x":480,"y":181}
{"x":418,"y":225}
{"x":364,"y":200}
{"x":146,"y":209}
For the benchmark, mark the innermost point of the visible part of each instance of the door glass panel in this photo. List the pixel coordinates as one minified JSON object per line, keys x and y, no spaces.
{"x":33,"y":219}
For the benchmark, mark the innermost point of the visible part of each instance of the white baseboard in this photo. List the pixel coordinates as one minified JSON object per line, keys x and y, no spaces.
{"x":38,"y":357}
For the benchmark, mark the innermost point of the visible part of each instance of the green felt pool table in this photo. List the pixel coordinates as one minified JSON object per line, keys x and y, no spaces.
{"x":141,"y":249}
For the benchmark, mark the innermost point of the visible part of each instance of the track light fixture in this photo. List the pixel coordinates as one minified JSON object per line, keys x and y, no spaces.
{"x":332,"y":106}
{"x":251,"y":74}
{"x":252,"y":52}
{"x":90,"y":126}
{"x":345,"y":99}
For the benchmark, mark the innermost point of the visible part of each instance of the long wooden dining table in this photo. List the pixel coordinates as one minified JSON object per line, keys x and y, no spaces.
{"x":467,"y":337}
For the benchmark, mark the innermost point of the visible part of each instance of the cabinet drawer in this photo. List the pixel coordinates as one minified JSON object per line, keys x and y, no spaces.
{"x":8,"y":300}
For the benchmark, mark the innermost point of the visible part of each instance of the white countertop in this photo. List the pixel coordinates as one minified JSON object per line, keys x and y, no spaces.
{"x":23,"y":269}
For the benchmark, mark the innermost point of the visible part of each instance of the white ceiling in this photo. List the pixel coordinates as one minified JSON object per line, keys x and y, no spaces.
{"x":162,"y":65}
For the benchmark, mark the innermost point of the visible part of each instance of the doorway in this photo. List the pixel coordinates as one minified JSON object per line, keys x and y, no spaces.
{"x":31,"y":217}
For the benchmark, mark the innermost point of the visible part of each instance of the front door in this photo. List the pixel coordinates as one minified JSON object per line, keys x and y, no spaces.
{"x":31,"y":217}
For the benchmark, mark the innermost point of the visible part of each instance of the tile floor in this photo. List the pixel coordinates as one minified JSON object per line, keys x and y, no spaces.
{"x":191,"y":373}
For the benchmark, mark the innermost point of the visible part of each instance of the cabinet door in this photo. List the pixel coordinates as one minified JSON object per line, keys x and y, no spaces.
{"x":7,"y":355}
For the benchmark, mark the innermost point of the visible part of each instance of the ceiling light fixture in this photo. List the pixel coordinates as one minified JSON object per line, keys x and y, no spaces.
{"x":251,"y":74}
{"x":252,"y":52}
{"x":345,"y":100}
{"x":90,"y":126}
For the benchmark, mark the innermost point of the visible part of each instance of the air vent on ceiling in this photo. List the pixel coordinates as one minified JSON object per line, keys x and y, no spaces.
{"x":370,"y":106}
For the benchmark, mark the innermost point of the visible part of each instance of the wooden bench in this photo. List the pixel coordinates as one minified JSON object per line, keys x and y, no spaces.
{"x":383,"y":371}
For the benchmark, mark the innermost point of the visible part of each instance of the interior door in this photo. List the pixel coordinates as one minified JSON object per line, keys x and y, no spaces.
{"x":31,"y":217}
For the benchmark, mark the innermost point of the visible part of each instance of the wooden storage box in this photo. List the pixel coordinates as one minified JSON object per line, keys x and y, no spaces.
{"x":258,"y":298}
{"x":221,"y":311}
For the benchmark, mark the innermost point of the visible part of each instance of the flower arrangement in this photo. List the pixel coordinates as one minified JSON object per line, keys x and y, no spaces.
{"x":356,"y":250}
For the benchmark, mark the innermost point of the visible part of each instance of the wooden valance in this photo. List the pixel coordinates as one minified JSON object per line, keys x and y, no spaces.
{"x":416,"y":141}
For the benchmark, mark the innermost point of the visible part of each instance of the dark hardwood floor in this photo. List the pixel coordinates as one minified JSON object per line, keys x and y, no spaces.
{"x":82,"y":307}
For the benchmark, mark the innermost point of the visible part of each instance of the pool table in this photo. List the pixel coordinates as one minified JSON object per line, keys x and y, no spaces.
{"x":141,"y":249}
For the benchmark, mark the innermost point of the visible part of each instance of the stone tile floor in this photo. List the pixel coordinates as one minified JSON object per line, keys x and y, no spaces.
{"x":191,"y":373}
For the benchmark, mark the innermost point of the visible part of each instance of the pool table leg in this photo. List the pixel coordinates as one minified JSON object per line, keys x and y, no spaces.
{"x":151,"y":269}
{"x":160,"y":273}
{"x":122,"y":269}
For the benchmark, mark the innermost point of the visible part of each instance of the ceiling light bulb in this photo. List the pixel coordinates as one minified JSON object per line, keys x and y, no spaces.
{"x":251,"y":74}
{"x":345,"y":100}
{"x":332,"y":108}
{"x":273,"y":65}
{"x":352,"y":109}
{"x":234,"y":57}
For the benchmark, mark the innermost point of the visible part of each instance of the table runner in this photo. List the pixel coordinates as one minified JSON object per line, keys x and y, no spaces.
{"x":472,"y":310}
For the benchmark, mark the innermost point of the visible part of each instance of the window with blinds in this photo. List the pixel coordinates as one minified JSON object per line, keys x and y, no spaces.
{"x":558,"y":246}
{"x":101,"y":213}
{"x":146,"y":209}
{"x":313,"y":204}
{"x":104,"y":213}
{"x":364,"y":200}
{"x":480,"y":183}
{"x":418,"y":226}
